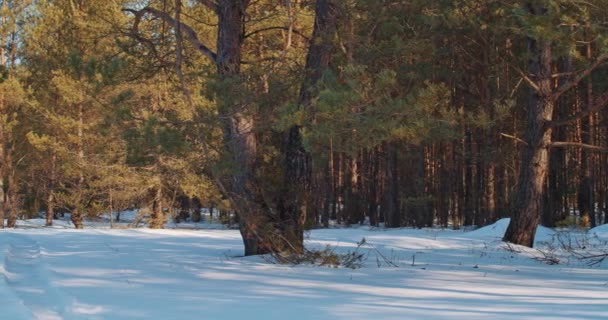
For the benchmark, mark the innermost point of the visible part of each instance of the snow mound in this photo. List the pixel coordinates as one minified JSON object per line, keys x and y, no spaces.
{"x":543,"y":234}
{"x":495,"y":230}
{"x":600,"y":231}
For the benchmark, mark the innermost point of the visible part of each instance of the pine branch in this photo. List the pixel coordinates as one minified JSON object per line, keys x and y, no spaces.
{"x":570,"y":84}
{"x":514,"y":138}
{"x":189,"y":32}
{"x":527,"y":79}
{"x":276,"y":28}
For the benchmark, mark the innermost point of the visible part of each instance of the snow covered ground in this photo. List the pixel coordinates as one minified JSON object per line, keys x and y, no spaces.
{"x":97,"y":273}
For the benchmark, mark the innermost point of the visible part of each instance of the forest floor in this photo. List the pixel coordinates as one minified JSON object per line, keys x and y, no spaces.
{"x":101,"y":273}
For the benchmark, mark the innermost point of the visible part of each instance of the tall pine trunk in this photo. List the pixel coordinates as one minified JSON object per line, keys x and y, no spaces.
{"x":297,"y":163}
{"x":50,"y":198}
{"x":586,"y":194}
{"x":239,"y":138}
{"x":11,"y":188}
{"x":535,"y":153}
{"x":77,"y":214}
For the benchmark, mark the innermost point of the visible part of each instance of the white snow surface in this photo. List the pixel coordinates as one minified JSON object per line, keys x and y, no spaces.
{"x":101,"y":273}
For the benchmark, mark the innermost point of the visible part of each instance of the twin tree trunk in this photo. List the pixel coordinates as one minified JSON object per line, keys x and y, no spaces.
{"x":240,"y":143}
{"x":261,"y":232}
{"x":239,"y":138}
{"x":297,"y":161}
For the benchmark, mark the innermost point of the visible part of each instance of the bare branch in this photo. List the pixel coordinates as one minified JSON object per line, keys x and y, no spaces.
{"x":527,"y":79}
{"x":578,"y":145}
{"x":600,"y":103}
{"x":568,"y":85}
{"x":209,"y":4}
{"x":190,"y":33}
{"x":276,"y":28}
{"x":179,"y":50}
{"x":514,"y":138}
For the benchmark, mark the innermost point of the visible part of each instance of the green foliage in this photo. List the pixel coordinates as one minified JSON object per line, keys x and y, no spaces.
{"x":415,"y":74}
{"x":363,"y":109}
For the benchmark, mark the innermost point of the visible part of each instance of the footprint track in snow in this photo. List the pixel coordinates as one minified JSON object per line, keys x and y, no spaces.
{"x":27,"y":275}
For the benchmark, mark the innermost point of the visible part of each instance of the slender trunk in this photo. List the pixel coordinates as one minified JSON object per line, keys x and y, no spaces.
{"x":456,"y":186}
{"x":3,"y":126}
{"x":372,"y":196}
{"x":77,"y":214}
{"x":9,"y":175}
{"x":392,"y":203}
{"x":589,"y":158}
{"x":2,"y":169}
{"x":157,"y":218}
{"x":111,"y":205}
{"x":352,"y":203}
{"x":469,"y":196}
{"x":50,"y":198}
{"x":327,"y":178}
{"x":334,"y":183}
{"x":11,"y":189}
{"x":50,"y":209}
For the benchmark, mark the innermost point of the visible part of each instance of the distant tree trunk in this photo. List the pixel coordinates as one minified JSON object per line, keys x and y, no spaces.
{"x":391,"y":201}
{"x":2,"y":170}
{"x":372,"y":189}
{"x":469,"y":197}
{"x":333,"y":214}
{"x":443,"y":184}
{"x":11,"y":190}
{"x":3,"y":45}
{"x":77,"y":214}
{"x":555,"y":205}
{"x":455,"y":180}
{"x":535,"y":153}
{"x":328,"y":190}
{"x":50,"y":198}
{"x":586,"y":199}
{"x":157,"y":217}
{"x":352,"y":202}
{"x":490,"y":194}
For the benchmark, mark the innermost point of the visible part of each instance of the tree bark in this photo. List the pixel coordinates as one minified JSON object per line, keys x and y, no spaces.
{"x":257,"y":230}
{"x":11,"y":188}
{"x":535,"y":153}
{"x":392,"y":205}
{"x":77,"y":214}
{"x":50,"y":198}
{"x":372,"y":190}
{"x":3,"y":127}
{"x":586,"y":191}
{"x":157,"y":218}
{"x":297,"y":163}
